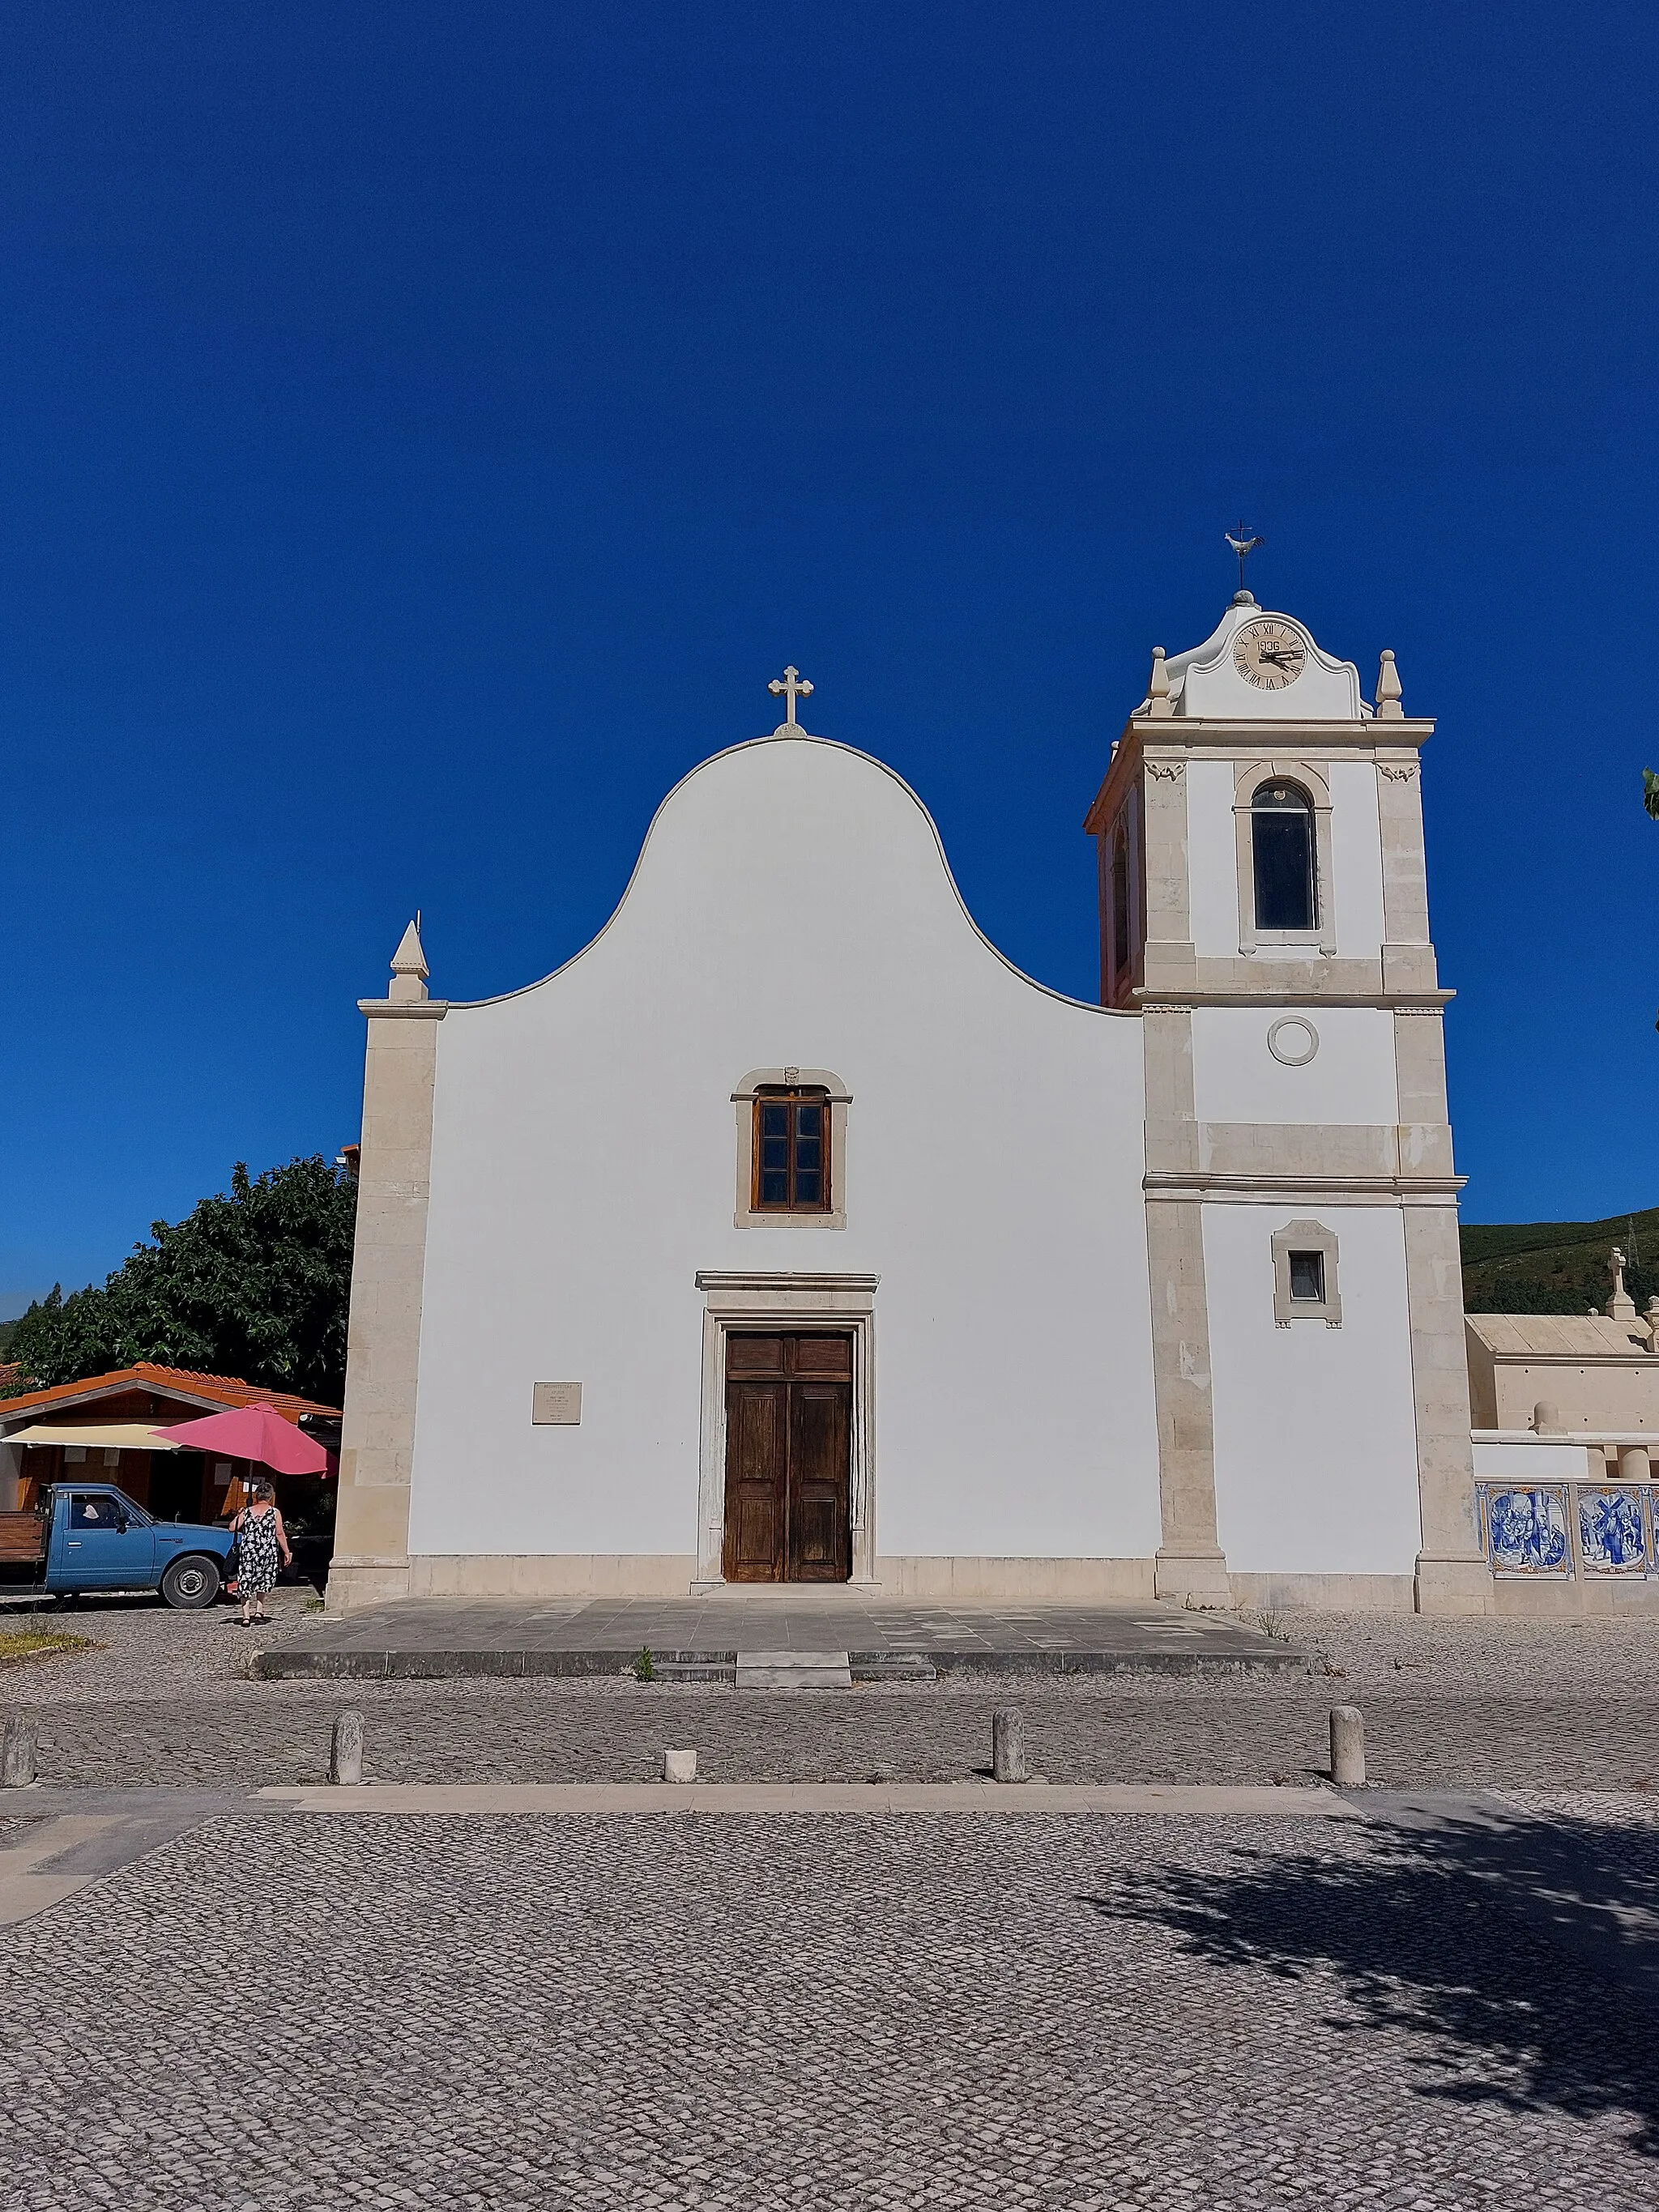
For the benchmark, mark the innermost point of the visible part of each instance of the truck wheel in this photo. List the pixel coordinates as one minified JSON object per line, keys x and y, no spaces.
{"x":190,"y":1583}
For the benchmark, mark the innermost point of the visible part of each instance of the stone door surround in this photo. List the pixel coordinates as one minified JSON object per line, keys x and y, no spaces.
{"x":783,"y":1300}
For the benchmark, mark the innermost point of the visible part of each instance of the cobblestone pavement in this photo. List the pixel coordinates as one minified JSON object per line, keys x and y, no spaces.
{"x":310,"y":2012}
{"x":565,"y":1732}
{"x":1449,"y":1704}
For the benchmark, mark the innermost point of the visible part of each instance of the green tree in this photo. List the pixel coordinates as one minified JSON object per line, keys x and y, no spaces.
{"x":253,"y":1283}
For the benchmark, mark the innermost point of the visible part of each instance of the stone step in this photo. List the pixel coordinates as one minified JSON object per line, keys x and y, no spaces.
{"x":793,"y":1670}
{"x":712,"y":1668}
{"x":891,"y":1667}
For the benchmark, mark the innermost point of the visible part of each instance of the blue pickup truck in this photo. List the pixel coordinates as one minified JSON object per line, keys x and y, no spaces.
{"x":91,"y":1536}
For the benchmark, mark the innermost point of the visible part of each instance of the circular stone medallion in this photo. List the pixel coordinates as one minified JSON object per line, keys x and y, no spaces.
{"x":1293,"y":1039}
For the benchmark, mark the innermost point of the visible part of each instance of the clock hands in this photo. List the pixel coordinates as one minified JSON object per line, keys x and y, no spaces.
{"x":1269,"y":653}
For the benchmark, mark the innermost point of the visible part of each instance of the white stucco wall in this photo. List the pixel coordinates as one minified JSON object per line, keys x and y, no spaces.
{"x":791,"y":908}
{"x":1316,"y":1445}
{"x":1548,"y":1459}
{"x":1350,"y":1078}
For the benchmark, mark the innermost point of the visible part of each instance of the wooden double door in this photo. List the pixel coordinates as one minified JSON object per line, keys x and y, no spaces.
{"x":788,"y":1457}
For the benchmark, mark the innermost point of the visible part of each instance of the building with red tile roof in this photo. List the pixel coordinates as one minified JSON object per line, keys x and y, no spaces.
{"x":104,"y":1427}
{"x":212,"y":1393}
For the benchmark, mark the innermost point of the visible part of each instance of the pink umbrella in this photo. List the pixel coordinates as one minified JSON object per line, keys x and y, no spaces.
{"x":255,"y":1432}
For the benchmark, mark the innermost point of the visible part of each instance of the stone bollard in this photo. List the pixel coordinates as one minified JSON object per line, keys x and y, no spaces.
{"x":17,"y":1749}
{"x":1347,"y":1747}
{"x":1008,"y":1744}
{"x":679,"y":1767}
{"x":345,"y":1750}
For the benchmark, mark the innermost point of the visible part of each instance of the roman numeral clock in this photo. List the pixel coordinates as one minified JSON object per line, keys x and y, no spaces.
{"x":1269,"y":654}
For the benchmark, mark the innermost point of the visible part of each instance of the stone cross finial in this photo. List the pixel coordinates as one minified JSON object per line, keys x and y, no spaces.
{"x":1388,"y":690}
{"x":1620,"y":1306}
{"x":790,"y":686}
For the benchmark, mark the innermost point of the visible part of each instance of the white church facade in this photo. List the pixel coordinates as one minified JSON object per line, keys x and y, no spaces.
{"x":789,"y":1232}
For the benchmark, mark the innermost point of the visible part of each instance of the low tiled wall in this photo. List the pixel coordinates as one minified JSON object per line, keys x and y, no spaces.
{"x":1569,"y":1547}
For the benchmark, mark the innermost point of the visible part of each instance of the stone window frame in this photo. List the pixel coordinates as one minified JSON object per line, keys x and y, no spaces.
{"x":1248,"y":779}
{"x":837,"y":1099}
{"x":734,"y":1299}
{"x":1305,"y":1236}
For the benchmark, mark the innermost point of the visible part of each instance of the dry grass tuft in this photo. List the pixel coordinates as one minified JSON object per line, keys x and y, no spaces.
{"x":41,"y":1643}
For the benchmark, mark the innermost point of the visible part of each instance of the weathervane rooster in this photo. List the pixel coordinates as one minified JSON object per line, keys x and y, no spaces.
{"x":1244,"y":546}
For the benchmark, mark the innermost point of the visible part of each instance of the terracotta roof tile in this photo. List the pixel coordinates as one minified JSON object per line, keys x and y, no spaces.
{"x":211,"y":1389}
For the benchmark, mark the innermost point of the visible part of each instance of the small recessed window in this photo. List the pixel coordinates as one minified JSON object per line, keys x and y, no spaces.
{"x":1282,"y":855}
{"x":1305,"y":1275}
{"x":1308,"y":1277}
{"x":792,"y":1152}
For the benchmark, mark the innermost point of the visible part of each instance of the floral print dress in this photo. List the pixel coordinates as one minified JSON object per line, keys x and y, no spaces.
{"x":256,"y":1554}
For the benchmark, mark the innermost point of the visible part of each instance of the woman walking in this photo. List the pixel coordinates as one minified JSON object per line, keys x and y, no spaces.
{"x":259,"y":1536}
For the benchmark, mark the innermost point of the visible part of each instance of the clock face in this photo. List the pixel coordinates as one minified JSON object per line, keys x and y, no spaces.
{"x":1269,"y":654}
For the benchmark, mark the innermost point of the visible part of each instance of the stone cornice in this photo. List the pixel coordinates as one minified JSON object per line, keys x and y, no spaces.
{"x":403,"y":1010}
{"x":1173,"y":738}
{"x":751,"y":1279}
{"x":1291,"y":1190}
{"x":1175,"y":734}
{"x":1164,"y":1000}
{"x":1636,"y":1357}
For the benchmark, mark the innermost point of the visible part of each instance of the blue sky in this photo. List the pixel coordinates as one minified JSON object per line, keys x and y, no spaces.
{"x":424,"y":430}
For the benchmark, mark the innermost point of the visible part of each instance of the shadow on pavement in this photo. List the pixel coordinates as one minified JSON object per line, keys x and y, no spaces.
{"x":1523,"y":1952}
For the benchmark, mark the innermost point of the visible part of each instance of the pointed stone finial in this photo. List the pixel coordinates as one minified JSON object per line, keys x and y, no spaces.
{"x":409,"y":967}
{"x":1620,"y":1306}
{"x":1388,"y":690}
{"x":1158,"y":701}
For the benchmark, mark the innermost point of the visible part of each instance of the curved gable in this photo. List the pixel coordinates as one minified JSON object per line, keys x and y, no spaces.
{"x":790,"y":825}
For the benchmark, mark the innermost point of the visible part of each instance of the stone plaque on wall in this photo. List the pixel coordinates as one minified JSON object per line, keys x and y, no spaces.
{"x":557,"y":1404}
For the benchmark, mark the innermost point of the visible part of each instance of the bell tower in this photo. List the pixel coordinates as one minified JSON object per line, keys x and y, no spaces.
{"x":1264,"y":911}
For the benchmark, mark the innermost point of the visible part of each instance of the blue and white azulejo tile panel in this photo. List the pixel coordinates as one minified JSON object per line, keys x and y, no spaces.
{"x":1616,"y":1529}
{"x":1525,"y":1530}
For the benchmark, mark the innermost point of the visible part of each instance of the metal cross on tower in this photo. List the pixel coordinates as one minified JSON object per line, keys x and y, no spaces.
{"x":790,"y":686}
{"x":1244,"y":546}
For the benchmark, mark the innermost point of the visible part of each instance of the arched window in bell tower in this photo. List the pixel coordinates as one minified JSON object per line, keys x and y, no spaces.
{"x":1282,"y":857}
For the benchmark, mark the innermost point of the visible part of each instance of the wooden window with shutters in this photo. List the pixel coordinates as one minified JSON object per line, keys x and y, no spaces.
{"x":792,"y":1152}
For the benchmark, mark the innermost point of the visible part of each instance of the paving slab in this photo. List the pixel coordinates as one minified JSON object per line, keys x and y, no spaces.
{"x":793,"y":1670}
{"x":428,"y":1638}
{"x":520,"y":1799}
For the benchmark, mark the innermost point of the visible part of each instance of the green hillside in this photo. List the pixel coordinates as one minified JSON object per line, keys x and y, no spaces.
{"x":1557,"y":1267}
